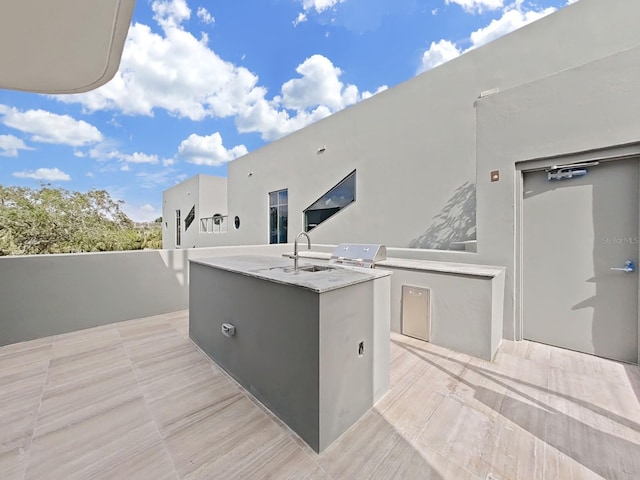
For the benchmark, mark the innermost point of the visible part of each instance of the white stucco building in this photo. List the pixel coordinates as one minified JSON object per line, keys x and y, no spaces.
{"x":453,"y":164}
{"x":192,"y":210}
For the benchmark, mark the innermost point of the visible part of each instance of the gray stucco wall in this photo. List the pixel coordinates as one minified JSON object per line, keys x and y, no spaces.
{"x":212,"y":200}
{"x":466,"y":310}
{"x":212,"y":196}
{"x":209,"y":196}
{"x":42,"y":295}
{"x":467,"y":300}
{"x":295,"y":350}
{"x":346,"y":380}
{"x":275,"y":351}
{"x":586,"y":112}
{"x":414,"y":145}
{"x":179,"y":197}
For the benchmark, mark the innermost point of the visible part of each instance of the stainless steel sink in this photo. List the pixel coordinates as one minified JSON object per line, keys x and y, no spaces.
{"x":305,"y":268}
{"x":315,"y":268}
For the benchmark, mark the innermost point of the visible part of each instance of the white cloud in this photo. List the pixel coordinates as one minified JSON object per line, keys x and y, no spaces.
{"x":170,"y":13}
{"x":511,"y":20}
{"x":176,"y":72}
{"x":103,"y":152}
{"x":47,"y":127}
{"x":437,"y":54}
{"x":319,"y":85}
{"x":208,"y":150}
{"x":205,"y":16}
{"x":141,"y":213}
{"x":273,"y":123}
{"x":161,"y":178}
{"x":302,"y":17}
{"x":477,"y":6}
{"x":9,"y":145}
{"x":46,"y":174}
{"x":315,"y":95}
{"x":319,"y":5}
{"x":114,"y":121}
{"x":513,"y":17}
{"x":173,"y":71}
{"x":138,"y":157}
{"x":367,"y":94}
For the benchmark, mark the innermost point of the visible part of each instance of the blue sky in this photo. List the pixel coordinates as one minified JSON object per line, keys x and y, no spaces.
{"x":201,"y":83}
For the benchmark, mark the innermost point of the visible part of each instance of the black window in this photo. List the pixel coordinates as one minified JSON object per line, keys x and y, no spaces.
{"x":188,"y":220}
{"x":278,"y":216}
{"x":339,"y":197}
{"x":178,"y":228}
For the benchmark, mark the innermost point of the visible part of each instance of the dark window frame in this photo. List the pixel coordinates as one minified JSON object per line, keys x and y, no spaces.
{"x":178,"y":228}
{"x":324,"y":216}
{"x":188,"y":220}
{"x":278,"y":211}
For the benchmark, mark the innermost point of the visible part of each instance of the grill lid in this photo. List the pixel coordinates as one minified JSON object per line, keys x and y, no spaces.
{"x":358,"y":254}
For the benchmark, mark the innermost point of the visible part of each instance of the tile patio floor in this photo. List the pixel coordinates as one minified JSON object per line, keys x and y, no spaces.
{"x":137,"y":400}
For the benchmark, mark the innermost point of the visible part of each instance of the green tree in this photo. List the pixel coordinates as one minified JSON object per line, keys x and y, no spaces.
{"x":54,"y":220}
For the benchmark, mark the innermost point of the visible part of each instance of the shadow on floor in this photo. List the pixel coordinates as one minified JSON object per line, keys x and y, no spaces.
{"x":633,"y":374}
{"x":602,"y":453}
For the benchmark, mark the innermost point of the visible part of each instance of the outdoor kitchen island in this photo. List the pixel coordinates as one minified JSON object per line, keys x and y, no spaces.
{"x":312,"y":345}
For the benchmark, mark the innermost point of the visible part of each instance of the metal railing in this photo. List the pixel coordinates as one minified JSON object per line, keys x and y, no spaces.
{"x":215,"y":224}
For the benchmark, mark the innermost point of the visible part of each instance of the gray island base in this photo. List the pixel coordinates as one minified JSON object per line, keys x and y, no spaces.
{"x":312,"y":346}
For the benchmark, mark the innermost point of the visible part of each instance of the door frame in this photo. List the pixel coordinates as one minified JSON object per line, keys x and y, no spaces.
{"x":610,"y":154}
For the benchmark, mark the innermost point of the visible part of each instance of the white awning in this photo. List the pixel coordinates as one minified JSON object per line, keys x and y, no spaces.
{"x":61,"y":46}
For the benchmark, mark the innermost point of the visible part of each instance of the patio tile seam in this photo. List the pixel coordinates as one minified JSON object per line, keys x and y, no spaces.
{"x":35,"y":423}
{"x":148,"y":409}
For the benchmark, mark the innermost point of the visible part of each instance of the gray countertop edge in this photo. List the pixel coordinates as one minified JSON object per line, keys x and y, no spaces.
{"x":315,"y":282}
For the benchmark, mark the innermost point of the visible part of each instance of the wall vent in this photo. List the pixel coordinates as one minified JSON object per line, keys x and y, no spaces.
{"x":416,"y":312}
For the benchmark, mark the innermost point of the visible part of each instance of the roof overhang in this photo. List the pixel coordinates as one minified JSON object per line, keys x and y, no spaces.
{"x":61,"y":46}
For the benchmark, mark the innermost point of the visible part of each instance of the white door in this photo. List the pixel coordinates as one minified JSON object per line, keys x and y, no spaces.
{"x":574,"y":232}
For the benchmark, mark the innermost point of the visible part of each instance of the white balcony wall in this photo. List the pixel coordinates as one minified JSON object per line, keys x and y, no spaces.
{"x":42,"y":295}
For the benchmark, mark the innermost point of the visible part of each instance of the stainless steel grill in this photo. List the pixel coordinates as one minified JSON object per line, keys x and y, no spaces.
{"x":358,"y":255}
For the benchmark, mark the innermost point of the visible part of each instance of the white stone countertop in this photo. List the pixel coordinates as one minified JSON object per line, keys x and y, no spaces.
{"x":444,"y":267}
{"x":425,"y":265}
{"x":280,"y":270}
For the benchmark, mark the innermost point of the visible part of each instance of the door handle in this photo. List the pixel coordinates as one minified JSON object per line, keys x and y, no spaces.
{"x":629,"y":267}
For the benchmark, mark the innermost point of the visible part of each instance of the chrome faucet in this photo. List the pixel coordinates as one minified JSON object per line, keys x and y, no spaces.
{"x":295,"y":249}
